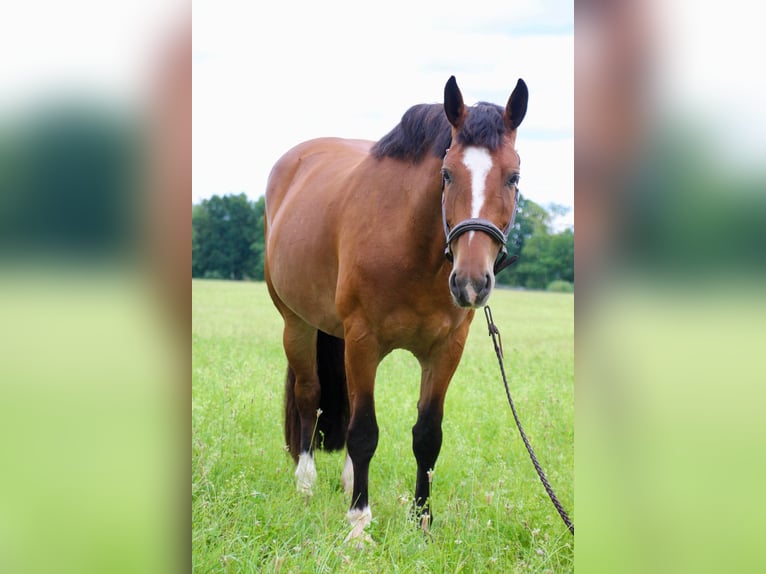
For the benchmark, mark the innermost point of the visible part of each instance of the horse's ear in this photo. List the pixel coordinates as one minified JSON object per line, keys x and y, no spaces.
{"x":517,"y":106}
{"x":453,"y":103}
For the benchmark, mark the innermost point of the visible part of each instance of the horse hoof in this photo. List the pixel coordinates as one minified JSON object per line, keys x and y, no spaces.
{"x":359,"y":520}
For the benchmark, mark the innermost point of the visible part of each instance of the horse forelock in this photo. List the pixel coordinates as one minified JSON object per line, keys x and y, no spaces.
{"x":424,"y":129}
{"x":483,"y":127}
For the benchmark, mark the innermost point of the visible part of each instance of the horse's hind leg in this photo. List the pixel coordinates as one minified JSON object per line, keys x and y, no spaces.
{"x":299,"y":340}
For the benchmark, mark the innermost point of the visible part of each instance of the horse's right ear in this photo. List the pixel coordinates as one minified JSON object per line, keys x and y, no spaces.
{"x":453,"y":103}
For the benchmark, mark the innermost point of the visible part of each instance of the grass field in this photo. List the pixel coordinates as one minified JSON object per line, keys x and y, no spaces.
{"x":491,"y":514}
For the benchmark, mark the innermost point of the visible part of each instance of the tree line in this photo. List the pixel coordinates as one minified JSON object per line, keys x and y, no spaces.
{"x":228,"y":243}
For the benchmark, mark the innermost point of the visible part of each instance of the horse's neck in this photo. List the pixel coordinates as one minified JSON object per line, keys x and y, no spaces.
{"x":423,"y":222}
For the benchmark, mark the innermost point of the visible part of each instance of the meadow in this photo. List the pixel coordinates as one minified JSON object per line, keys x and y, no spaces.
{"x":491,"y":514}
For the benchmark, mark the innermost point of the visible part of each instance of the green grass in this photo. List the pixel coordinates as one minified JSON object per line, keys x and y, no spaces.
{"x":491,"y":512}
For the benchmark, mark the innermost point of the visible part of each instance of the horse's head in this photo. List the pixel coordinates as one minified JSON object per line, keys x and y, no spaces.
{"x":480,"y":179}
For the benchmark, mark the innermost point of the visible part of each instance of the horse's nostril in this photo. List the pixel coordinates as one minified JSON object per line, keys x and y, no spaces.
{"x":453,"y":281}
{"x":483,"y":287}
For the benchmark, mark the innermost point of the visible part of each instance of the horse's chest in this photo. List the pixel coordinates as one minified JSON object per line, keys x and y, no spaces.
{"x":414,"y":330}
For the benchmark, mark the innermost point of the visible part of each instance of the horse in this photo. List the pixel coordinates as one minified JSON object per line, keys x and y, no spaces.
{"x":376,"y":246}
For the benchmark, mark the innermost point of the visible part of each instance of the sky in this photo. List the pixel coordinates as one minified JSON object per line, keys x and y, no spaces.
{"x":269,"y":76}
{"x":92,"y":49}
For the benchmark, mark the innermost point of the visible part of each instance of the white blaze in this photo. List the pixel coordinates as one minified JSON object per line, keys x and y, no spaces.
{"x":478,"y":162}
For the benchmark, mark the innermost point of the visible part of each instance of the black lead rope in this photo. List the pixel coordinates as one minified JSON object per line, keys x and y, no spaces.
{"x":495,"y":334}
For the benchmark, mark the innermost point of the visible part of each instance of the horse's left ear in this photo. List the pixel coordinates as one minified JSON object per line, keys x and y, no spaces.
{"x":517,"y":106}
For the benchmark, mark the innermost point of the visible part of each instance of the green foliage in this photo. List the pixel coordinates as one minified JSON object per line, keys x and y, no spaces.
{"x":227,"y":238}
{"x":531,"y":220}
{"x":543,"y":256}
{"x":690,"y":210}
{"x":68,"y":183}
{"x":258,"y":247}
{"x":491,"y":512}
{"x":546,"y":258}
{"x":560,"y":286}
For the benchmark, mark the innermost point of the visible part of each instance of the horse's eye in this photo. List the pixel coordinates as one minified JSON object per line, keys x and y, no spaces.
{"x":513,"y":180}
{"x":447,"y":176}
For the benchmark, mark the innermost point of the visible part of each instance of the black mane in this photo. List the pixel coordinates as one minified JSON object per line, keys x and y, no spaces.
{"x":424,"y":128}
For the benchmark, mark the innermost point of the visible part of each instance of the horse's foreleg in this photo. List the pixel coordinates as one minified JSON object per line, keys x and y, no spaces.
{"x":438,"y":369}
{"x":362,"y":358}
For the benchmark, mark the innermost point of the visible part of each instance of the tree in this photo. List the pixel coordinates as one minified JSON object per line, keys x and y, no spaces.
{"x":224,"y":229}
{"x":258,"y":247}
{"x":543,"y":256}
{"x":531,"y":220}
{"x":546,"y":258}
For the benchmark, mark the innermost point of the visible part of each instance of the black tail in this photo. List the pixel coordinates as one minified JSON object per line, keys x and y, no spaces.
{"x":333,"y":422}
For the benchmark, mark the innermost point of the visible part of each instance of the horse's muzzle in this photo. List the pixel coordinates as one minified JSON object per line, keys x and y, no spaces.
{"x":470,"y":291}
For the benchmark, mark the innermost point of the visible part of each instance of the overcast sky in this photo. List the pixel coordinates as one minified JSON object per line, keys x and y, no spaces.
{"x":267,"y":76}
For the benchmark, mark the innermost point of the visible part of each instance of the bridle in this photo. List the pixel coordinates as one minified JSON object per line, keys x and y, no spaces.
{"x":485,"y":226}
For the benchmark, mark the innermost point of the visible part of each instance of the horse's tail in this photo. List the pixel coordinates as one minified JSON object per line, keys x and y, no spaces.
{"x":333,"y":421}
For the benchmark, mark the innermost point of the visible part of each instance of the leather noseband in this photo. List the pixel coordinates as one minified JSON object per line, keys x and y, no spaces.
{"x":485,"y":226}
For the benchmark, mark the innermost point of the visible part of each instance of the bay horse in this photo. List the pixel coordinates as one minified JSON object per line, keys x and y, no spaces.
{"x":376,"y":246}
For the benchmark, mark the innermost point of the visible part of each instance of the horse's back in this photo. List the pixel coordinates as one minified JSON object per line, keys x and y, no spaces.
{"x":319,"y":160}
{"x":304,"y":200}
